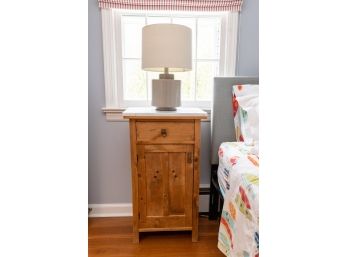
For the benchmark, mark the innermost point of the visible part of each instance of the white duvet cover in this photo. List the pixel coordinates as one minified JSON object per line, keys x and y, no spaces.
{"x":238,"y":176}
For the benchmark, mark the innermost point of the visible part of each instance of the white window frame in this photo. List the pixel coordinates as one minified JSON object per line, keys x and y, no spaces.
{"x":112,"y":53}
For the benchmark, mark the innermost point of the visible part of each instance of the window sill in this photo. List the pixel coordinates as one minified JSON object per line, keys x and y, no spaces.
{"x":115,"y":114}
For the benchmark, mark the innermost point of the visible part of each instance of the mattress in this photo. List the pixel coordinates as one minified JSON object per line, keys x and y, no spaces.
{"x":238,"y":176}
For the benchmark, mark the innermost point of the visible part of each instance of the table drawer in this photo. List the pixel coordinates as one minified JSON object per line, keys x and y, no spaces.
{"x":163,"y":132}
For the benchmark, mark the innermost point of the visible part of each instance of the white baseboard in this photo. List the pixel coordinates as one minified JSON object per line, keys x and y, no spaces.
{"x":204,"y":199}
{"x":110,"y":210}
{"x":125,"y":209}
{"x":204,"y":185}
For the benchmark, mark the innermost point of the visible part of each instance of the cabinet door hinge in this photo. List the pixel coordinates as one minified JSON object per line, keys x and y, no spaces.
{"x":189,"y":157}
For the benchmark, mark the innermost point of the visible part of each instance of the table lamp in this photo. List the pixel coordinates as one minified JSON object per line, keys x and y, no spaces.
{"x":166,"y":48}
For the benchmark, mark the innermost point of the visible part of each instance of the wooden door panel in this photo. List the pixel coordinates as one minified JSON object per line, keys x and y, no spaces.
{"x":165,"y":177}
{"x":166,"y":148}
{"x":176,"y":183}
{"x":155,"y":168}
{"x":188,"y":189}
{"x":158,"y":223}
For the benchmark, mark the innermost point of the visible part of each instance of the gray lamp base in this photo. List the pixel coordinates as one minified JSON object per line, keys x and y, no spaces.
{"x":166,"y":94}
{"x":165,"y":109}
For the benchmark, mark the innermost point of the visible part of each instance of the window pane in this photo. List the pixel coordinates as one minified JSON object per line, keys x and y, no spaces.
{"x":196,"y":84}
{"x":134,"y":80}
{"x":206,"y":71}
{"x":187,"y":83}
{"x":132,"y":29}
{"x":208,"y":37}
{"x":191,"y":23}
{"x":157,"y":19}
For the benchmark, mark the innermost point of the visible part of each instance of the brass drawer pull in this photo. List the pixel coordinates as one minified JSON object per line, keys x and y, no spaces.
{"x":163,"y":132}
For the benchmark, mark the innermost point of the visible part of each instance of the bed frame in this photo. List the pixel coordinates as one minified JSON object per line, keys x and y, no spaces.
{"x":222,"y":130}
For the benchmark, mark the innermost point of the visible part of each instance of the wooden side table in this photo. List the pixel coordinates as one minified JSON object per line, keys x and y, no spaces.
{"x":165,"y":152}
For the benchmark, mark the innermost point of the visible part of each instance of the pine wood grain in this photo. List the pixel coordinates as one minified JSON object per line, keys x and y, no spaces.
{"x":149,"y":132}
{"x":165,"y":167}
{"x":196,"y":179}
{"x":165,"y":187}
{"x":154,"y":172}
{"x":134,"y":163}
{"x":189,"y":189}
{"x":112,"y":237}
{"x":176,"y":181}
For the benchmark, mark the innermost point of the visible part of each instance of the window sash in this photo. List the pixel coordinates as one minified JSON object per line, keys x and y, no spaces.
{"x":113,"y":57}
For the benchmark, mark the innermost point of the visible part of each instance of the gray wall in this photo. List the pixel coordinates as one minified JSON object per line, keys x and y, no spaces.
{"x":248,"y":42}
{"x":109,"y":178}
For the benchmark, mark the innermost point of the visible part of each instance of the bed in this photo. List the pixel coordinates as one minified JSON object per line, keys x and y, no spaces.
{"x":235,"y":177}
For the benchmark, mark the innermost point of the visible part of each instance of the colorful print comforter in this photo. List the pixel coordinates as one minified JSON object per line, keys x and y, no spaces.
{"x":238,"y":175}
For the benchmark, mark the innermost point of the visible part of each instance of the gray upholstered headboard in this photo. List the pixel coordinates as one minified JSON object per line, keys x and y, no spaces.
{"x":222,"y":124}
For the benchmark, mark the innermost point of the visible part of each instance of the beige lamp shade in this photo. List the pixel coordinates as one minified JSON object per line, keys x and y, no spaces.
{"x":166,"y":46}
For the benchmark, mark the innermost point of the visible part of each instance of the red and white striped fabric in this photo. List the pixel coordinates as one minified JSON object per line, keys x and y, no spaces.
{"x":174,"y":5}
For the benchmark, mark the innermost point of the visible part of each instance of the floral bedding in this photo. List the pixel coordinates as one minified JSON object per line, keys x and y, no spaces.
{"x":238,"y":176}
{"x":245,"y":108}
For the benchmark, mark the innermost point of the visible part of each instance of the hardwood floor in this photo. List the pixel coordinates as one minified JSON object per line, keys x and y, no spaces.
{"x":113,"y":237}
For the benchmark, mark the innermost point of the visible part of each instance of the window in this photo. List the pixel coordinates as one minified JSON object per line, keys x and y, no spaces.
{"x":196,"y":84}
{"x":214,"y":39}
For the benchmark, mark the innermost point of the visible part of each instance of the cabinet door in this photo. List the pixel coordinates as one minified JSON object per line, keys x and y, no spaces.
{"x":165,"y":177}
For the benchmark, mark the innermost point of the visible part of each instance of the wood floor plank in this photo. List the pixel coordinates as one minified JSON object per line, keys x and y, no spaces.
{"x":112,"y":237}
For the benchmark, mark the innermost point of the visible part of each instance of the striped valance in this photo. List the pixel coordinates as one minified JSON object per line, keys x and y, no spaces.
{"x":174,"y":5}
